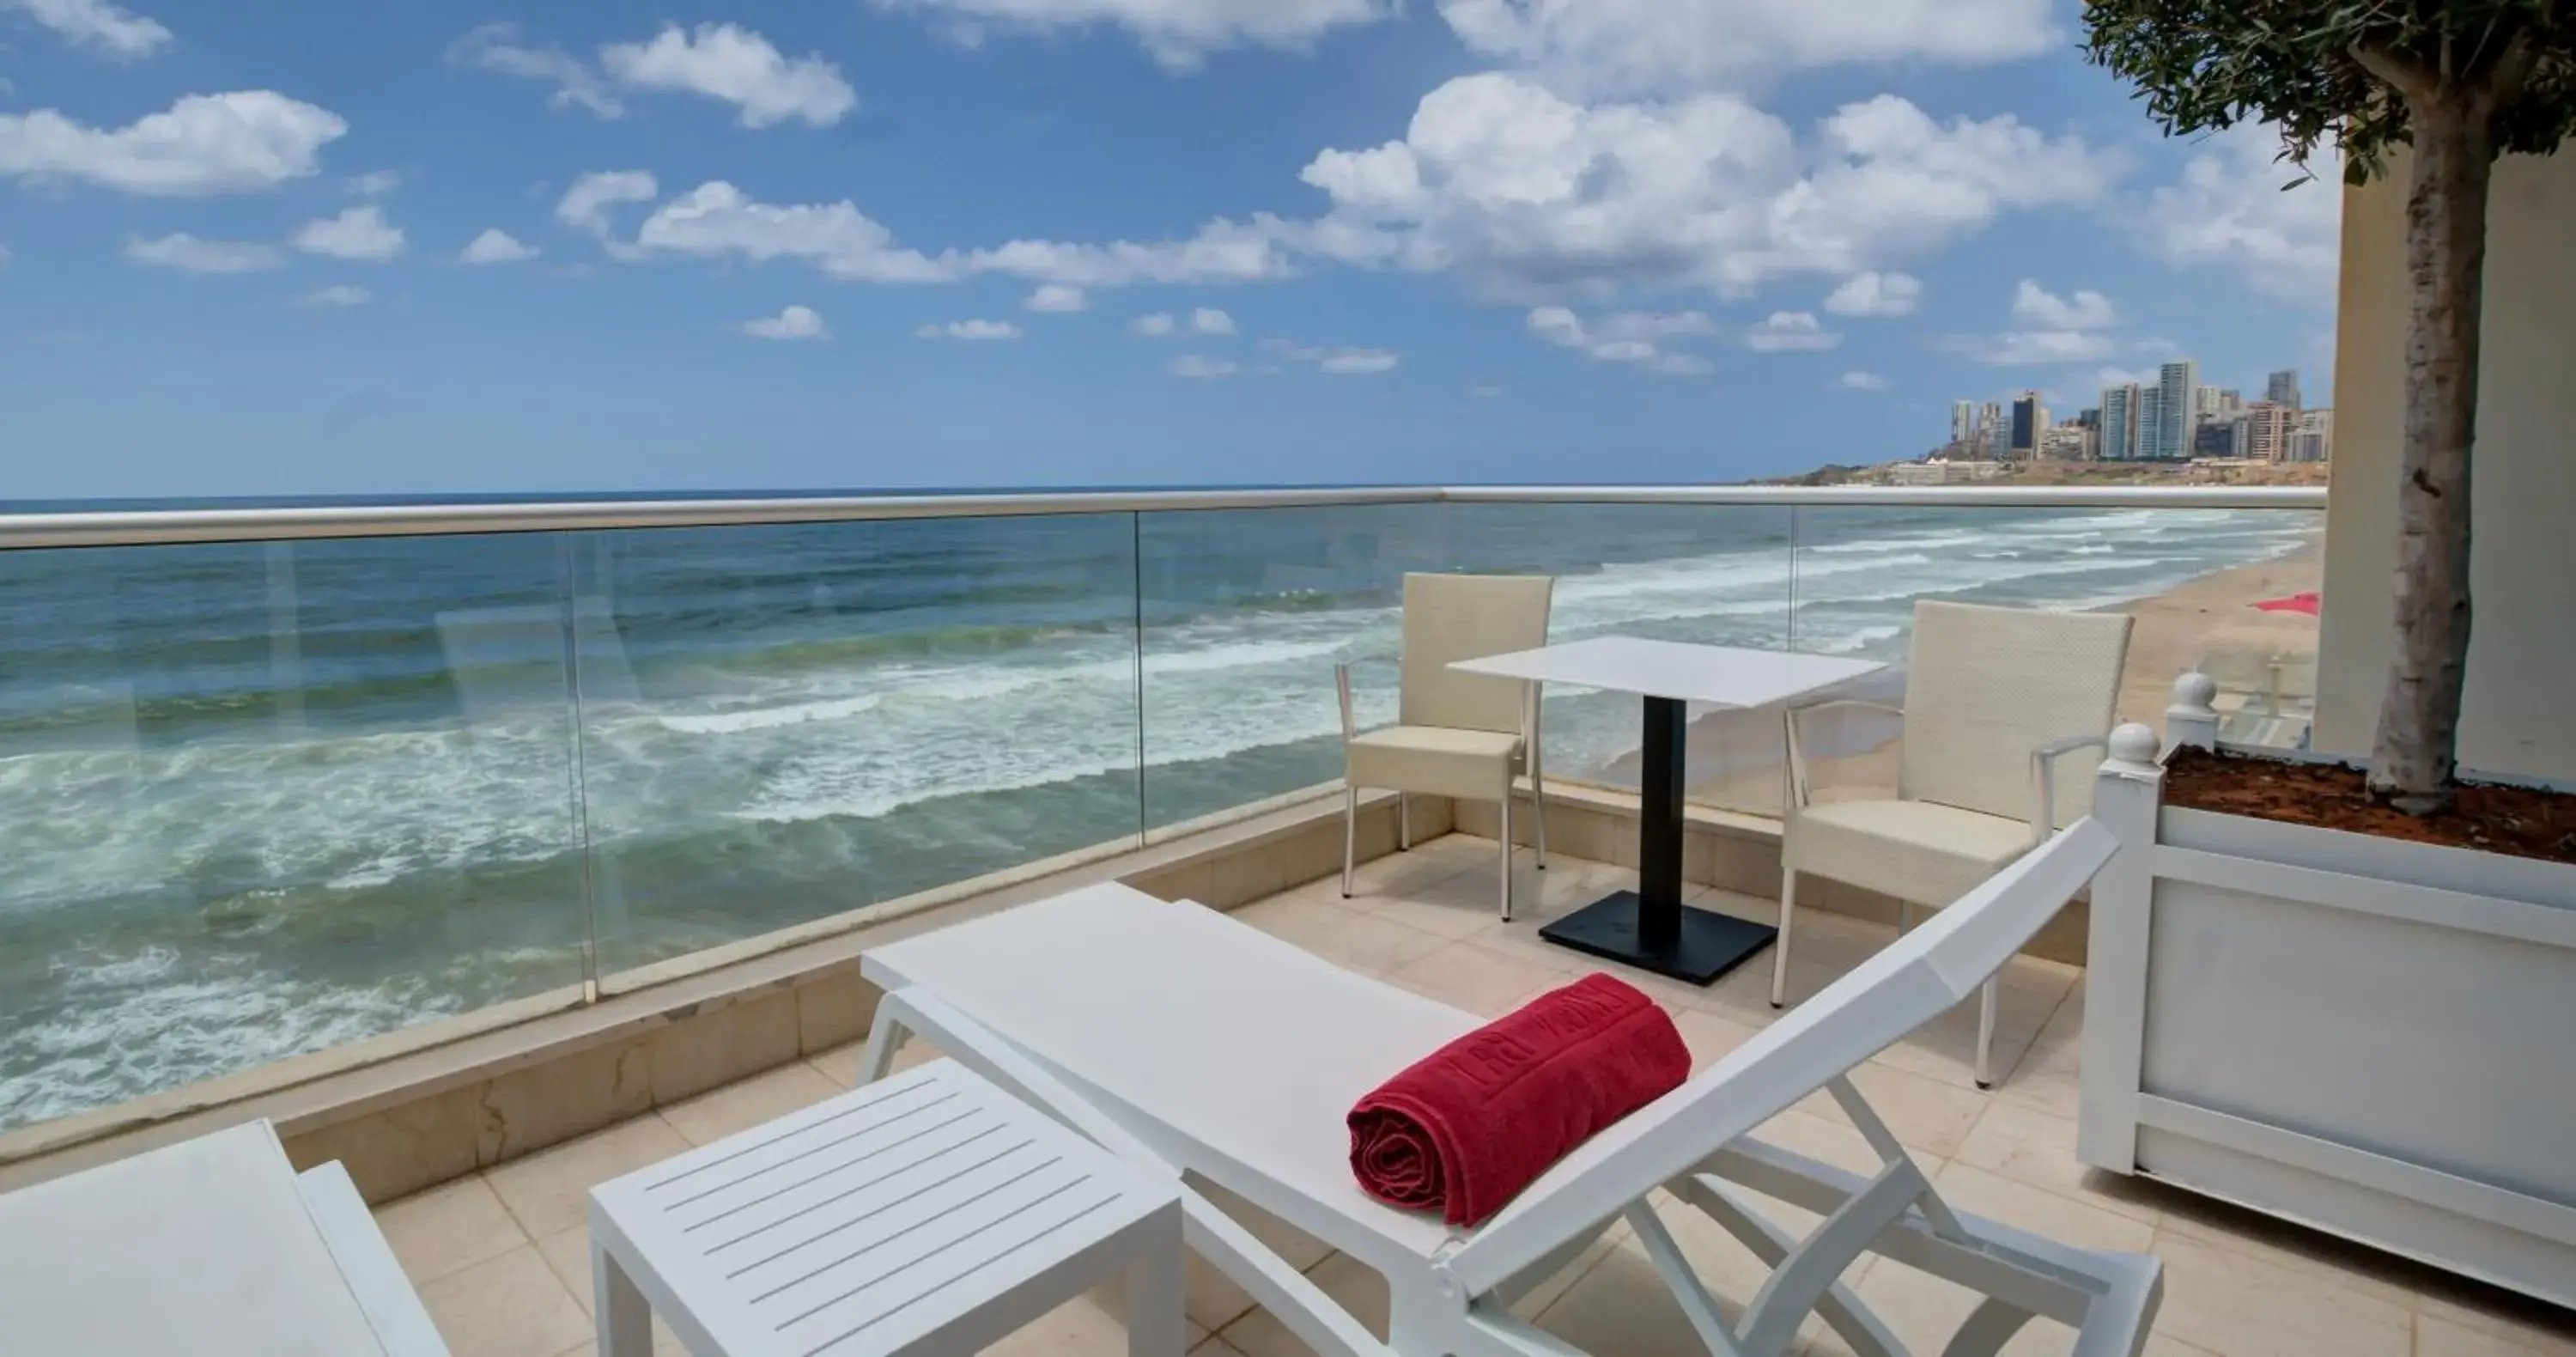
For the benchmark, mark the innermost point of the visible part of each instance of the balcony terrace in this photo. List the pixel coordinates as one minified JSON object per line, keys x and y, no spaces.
{"x":502,"y":1255}
{"x":496,"y":851}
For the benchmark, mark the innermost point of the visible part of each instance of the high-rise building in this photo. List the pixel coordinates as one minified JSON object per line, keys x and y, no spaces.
{"x":2267,"y":432}
{"x":1992,"y":433}
{"x":2164,"y":427}
{"x":2207,"y":401}
{"x":2313,"y":439}
{"x":2214,"y":438}
{"x":2120,"y":422}
{"x":1963,"y":423}
{"x":2029,"y":417}
{"x":2282,"y":388}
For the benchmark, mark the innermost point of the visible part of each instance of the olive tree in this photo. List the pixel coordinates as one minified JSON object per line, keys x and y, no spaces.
{"x":2461,"y":84}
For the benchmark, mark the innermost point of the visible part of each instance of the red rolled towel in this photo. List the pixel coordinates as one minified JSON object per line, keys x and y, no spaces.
{"x":1470,"y":1125}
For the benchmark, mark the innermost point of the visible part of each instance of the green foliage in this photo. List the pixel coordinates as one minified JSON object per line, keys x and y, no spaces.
{"x":2361,"y":72}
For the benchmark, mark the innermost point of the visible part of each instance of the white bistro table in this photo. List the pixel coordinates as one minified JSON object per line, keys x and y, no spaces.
{"x":926,"y":1213}
{"x":1648,"y":927}
{"x":214,"y":1247}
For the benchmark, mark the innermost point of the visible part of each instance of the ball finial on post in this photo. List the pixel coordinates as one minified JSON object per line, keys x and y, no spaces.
{"x":2133,"y":744}
{"x":2193,"y":718}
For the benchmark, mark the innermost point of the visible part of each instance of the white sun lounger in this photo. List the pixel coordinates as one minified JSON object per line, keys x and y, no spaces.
{"x":1179,"y":1037}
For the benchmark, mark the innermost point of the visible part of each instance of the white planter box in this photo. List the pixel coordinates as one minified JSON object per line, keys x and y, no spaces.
{"x":2373,"y":1037}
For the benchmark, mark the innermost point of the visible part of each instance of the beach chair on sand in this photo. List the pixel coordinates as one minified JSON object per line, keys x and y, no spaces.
{"x":1183,"y":1039}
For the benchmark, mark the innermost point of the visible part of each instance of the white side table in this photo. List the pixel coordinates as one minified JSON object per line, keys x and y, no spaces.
{"x":928,"y":1213}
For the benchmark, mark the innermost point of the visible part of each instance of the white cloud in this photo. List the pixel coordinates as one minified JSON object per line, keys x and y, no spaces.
{"x":1876,"y":294}
{"x":1530,"y":195}
{"x":1200,"y":367}
{"x":115,"y":31}
{"x":189,"y":254}
{"x":1207,"y":320}
{"x":585,"y":205}
{"x":496,"y":246}
{"x":1631,"y":337}
{"x":1785,"y":331}
{"x":738,"y":66}
{"x":1057,"y":299}
{"x":243,"y":142}
{"x":1685,"y":45}
{"x":1341,"y":362}
{"x":1861,"y":381}
{"x":971,"y":330}
{"x":718,"y":220}
{"x":373,"y":184}
{"x":2229,"y":210}
{"x":2033,"y":348}
{"x":358,"y":233}
{"x":2041,"y":309}
{"x":795,"y":322}
{"x":1179,"y":33}
{"x":340,"y":295}
{"x":1159,"y":325}
{"x":496,"y":47}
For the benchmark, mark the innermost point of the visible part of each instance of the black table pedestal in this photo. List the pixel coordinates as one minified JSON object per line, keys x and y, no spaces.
{"x":1649,"y":928}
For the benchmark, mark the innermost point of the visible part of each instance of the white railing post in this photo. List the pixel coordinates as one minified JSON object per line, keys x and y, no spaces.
{"x":2126,"y":796}
{"x":2192,"y":719}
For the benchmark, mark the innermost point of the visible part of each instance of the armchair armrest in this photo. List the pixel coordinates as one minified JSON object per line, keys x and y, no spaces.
{"x":1798,"y":754}
{"x":2043,"y":779}
{"x":1342,"y":686}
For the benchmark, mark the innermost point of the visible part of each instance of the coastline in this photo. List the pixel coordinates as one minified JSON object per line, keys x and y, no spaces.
{"x":2177,"y":630}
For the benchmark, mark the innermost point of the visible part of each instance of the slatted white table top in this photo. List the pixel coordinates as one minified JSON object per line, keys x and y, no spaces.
{"x":866,"y":1222}
{"x":202,"y":1247}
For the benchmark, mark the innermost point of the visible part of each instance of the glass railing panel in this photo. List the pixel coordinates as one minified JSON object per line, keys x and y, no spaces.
{"x":1709,"y":574}
{"x":783,"y":723}
{"x":259,"y":800}
{"x":1245,"y":613}
{"x":2197,"y":580}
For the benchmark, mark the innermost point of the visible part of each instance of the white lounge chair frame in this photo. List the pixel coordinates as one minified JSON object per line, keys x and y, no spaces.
{"x":1451,"y":1292}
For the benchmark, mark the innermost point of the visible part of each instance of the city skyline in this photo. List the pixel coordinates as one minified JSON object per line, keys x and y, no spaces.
{"x":2132,"y":423}
{"x":313,"y":249}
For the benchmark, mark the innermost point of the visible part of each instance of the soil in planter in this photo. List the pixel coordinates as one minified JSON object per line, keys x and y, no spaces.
{"x":2515,"y":820}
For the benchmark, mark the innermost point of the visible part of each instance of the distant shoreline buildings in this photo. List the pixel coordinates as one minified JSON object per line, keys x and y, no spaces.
{"x":2173,"y":418}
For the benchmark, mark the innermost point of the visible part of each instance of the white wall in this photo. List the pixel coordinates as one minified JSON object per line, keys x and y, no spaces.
{"x":2519,"y":716}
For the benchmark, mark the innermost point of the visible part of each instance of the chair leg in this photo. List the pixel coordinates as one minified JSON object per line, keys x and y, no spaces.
{"x":1507,"y":855}
{"x":1404,"y":822}
{"x":1780,"y":948}
{"x":1904,"y":917}
{"x":1986,"y":1006}
{"x":1538,"y":812}
{"x":1350,"y":834}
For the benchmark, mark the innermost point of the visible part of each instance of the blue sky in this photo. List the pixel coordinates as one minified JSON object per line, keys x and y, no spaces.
{"x":927,"y":242}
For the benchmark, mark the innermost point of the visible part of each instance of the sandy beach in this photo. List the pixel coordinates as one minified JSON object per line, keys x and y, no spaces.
{"x":2210,"y":620}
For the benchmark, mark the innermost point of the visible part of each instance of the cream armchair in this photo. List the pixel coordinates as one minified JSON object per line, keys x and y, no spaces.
{"x":1994,"y":698}
{"x":1456,"y":735}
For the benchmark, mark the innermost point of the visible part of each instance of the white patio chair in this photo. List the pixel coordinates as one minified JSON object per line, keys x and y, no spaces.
{"x":1994,"y":697}
{"x":1456,"y":735}
{"x":1180,"y":1038}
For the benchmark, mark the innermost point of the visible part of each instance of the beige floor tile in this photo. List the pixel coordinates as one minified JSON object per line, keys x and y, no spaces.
{"x":1478,"y":979}
{"x":509,"y":1306}
{"x":1212,"y":1300}
{"x":1709,"y":1036}
{"x":839,"y":1064}
{"x":2520,"y":1322}
{"x":1352,"y":1286}
{"x":1622,"y":1306}
{"x":567,"y":1253}
{"x":1351,"y":939}
{"x":2238,"y":1305}
{"x":2293,"y":1247}
{"x":1923,"y":1311}
{"x":2438,"y":1336}
{"x":2038,"y":1147}
{"x":1078,"y":1328}
{"x":1420,"y":868}
{"x":1925,"y":1114}
{"x":1215,"y":1347}
{"x":448,"y":1228}
{"x":2040,"y":1211}
{"x":1463,"y":906}
{"x":711,"y":1116}
{"x":549,"y":1191}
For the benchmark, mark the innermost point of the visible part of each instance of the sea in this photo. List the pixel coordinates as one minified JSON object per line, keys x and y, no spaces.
{"x":257,"y":800}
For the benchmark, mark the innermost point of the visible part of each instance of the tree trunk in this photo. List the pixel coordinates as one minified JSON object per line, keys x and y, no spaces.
{"x":2446,"y":245}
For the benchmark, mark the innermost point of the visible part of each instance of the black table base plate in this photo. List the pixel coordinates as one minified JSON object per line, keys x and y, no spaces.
{"x":1708,"y":946}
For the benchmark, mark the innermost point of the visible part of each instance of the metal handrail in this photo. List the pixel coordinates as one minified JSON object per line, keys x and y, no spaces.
{"x":145,"y":527}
